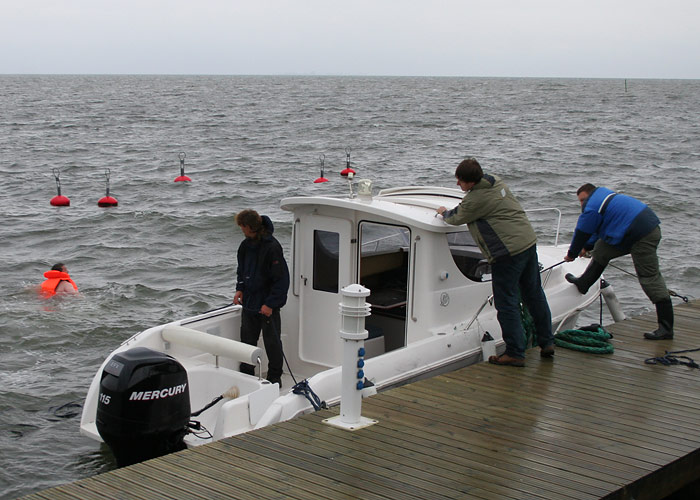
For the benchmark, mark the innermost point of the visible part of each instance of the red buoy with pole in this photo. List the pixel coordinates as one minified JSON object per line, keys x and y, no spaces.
{"x":107,"y":200}
{"x":322,"y":158}
{"x":182,"y":177}
{"x":347,"y":171}
{"x":59,"y":200}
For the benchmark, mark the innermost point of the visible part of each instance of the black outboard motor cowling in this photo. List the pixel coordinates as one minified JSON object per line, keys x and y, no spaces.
{"x":144,"y":405}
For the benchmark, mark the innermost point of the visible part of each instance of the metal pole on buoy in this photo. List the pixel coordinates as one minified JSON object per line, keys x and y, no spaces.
{"x":322,"y":158}
{"x":59,"y":200}
{"x":353,"y":310}
{"x":107,"y":200}
{"x":347,"y":171}
{"x":182,"y":177}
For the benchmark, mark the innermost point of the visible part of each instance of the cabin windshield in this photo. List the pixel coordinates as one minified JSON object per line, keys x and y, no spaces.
{"x":468,"y":257}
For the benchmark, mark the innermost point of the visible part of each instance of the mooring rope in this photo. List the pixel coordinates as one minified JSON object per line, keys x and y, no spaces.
{"x":591,"y":339}
{"x":670,"y":292}
{"x":670,"y":358}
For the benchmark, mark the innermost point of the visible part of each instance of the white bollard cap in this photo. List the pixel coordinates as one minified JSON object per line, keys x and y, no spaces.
{"x":355,"y":290}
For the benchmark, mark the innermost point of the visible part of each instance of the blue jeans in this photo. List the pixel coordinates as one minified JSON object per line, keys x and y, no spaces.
{"x":516,"y":278}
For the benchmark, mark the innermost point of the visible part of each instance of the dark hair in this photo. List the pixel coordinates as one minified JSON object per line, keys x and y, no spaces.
{"x":469,"y":171}
{"x":58,"y":267}
{"x":250,"y":218}
{"x":586,"y":188}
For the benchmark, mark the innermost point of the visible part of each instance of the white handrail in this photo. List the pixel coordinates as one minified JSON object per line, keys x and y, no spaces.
{"x":556,"y":237}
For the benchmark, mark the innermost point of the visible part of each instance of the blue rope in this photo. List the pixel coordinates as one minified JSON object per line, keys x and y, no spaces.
{"x":305,"y":390}
{"x":670,"y":358}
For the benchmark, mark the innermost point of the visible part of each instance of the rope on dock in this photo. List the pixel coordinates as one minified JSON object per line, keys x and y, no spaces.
{"x":591,"y":339}
{"x":671,"y":358}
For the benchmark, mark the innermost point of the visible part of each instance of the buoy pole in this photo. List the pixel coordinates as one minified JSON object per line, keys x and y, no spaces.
{"x":322,"y":158}
{"x":59,"y":200}
{"x":353,"y":310}
{"x":107,"y":200}
{"x":182,"y":177}
{"x":347,"y":170}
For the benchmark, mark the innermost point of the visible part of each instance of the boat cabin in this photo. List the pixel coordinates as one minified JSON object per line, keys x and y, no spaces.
{"x":417,"y":268}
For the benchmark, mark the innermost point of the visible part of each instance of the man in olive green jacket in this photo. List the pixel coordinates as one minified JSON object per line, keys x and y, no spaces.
{"x":503,"y":232}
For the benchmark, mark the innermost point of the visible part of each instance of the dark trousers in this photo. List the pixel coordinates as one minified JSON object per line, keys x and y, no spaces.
{"x":517,"y":278}
{"x":645,"y":260}
{"x":251,"y":325}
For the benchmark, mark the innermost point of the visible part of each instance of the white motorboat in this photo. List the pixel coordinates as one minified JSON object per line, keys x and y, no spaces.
{"x":430,"y":308}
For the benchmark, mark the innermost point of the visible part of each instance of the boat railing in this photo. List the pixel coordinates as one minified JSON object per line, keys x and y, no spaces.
{"x":558,"y":220}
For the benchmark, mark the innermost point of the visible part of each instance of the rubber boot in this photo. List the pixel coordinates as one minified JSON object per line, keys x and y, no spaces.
{"x":589,"y":276}
{"x":664,"y":315}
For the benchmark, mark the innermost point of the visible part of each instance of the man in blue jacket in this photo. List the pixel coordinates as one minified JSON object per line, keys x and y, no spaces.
{"x":612,"y":225}
{"x":261,"y":287}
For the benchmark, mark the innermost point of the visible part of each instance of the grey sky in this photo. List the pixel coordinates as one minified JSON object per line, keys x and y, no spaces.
{"x":552,"y":38}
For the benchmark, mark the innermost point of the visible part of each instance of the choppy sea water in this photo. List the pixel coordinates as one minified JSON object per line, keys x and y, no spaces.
{"x":168,"y":250}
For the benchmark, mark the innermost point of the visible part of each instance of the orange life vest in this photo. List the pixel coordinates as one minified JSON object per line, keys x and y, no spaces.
{"x":53,"y":278}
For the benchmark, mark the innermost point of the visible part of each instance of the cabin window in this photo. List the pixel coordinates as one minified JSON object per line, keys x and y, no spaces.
{"x":326,"y":257}
{"x":468,"y":257}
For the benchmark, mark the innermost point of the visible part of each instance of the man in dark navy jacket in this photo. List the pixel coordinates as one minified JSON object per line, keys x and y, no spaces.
{"x":261,"y":287}
{"x":612,"y":225}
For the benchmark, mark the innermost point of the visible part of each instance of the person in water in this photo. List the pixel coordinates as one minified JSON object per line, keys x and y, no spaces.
{"x":612,"y":225}
{"x":261,"y":287}
{"x":503,"y":232}
{"x":58,"y":281}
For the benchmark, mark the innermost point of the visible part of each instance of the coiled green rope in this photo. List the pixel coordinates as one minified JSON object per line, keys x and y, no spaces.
{"x":592,"y":339}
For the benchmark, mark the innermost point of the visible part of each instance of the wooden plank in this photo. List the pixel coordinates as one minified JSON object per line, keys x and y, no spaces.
{"x":413,"y":422}
{"x":566,"y":409}
{"x":270,"y":474}
{"x":327,"y":465}
{"x":232,"y":480}
{"x":371,"y":459}
{"x":449,"y":465}
{"x":299,"y":474}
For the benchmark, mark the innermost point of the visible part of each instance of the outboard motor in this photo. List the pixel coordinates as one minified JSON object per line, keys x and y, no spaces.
{"x":144,"y":405}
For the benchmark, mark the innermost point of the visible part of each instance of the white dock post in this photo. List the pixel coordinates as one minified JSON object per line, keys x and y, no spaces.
{"x":353,"y":310}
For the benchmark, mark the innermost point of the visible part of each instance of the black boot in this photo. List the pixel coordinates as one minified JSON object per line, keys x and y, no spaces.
{"x":664,"y":315}
{"x":589,"y":276}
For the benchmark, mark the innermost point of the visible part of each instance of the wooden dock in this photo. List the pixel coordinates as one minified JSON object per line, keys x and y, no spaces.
{"x":582,"y":426}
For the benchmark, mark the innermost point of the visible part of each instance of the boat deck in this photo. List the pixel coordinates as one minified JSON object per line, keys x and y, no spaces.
{"x":580,"y":427}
